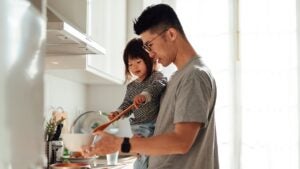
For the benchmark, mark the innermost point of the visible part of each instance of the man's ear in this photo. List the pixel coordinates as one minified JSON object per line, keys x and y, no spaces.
{"x":172,"y":34}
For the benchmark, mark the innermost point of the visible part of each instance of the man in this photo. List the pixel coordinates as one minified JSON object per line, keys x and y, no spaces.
{"x":185,"y":133}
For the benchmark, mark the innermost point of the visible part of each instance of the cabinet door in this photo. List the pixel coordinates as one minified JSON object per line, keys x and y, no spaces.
{"x":73,"y":11}
{"x":97,"y":30}
{"x":107,"y":26}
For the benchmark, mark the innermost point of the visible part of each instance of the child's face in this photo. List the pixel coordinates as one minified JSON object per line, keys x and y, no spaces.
{"x":137,"y":67}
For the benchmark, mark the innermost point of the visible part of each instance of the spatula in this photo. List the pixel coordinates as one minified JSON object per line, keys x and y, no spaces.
{"x":105,"y":125}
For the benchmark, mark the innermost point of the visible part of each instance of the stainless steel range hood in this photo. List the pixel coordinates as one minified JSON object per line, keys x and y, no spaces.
{"x":63,"y":39}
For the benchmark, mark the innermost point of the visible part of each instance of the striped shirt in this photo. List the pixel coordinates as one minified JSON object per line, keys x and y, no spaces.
{"x":153,"y":87}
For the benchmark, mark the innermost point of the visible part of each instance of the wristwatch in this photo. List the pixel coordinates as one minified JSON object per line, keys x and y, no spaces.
{"x":125,"y":146}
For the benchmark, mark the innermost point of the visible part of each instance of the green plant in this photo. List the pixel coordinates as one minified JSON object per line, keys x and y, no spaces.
{"x":51,"y":127}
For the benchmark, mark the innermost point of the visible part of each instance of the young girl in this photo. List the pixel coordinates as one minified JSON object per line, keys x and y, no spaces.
{"x":144,"y":92}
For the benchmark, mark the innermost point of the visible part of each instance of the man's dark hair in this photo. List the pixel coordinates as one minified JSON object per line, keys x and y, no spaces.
{"x":157,"y":17}
{"x":134,"y":50}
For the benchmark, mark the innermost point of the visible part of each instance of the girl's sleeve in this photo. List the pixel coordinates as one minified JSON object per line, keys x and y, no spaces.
{"x":126,"y":102}
{"x":157,"y":85}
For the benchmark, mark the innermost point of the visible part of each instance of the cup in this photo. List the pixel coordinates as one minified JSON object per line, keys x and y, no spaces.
{"x":112,"y":159}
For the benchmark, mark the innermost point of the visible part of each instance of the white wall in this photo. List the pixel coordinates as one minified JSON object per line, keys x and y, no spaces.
{"x":76,"y":98}
{"x":67,"y":94}
{"x":107,"y":98}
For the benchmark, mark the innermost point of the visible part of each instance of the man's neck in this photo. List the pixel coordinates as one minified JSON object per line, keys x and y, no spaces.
{"x":185,"y":53}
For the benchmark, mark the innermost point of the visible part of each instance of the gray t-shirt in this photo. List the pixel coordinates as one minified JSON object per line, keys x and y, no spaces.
{"x":189,"y":97}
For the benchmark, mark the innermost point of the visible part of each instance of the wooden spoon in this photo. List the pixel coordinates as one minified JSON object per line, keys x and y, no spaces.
{"x":105,"y":125}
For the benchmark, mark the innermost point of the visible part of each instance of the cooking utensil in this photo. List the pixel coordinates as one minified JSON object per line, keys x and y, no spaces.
{"x":105,"y":125}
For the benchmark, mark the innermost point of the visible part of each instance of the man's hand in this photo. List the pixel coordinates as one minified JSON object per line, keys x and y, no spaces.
{"x":107,"y":144}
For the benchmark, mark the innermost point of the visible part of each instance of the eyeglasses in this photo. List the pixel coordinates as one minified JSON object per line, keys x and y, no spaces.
{"x":147,"y":45}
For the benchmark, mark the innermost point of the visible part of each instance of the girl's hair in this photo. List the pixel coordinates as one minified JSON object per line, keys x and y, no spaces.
{"x":134,"y":50}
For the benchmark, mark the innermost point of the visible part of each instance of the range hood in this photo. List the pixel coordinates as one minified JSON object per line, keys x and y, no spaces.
{"x":63,"y":39}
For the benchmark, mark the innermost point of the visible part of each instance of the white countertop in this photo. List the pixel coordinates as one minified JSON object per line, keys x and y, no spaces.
{"x":124,"y":162}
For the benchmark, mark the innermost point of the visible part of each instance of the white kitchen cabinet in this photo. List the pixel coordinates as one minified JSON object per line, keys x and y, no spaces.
{"x":107,"y":26}
{"x":102,"y":21}
{"x":76,"y":68}
{"x":74,"y":11}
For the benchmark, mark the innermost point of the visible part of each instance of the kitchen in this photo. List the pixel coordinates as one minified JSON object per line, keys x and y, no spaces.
{"x":74,"y":86}
{"x":73,"y":82}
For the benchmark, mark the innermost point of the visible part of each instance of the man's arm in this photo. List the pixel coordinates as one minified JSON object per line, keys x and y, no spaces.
{"x":178,"y":141}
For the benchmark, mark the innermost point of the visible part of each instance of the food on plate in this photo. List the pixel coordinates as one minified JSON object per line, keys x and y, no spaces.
{"x":77,"y":154}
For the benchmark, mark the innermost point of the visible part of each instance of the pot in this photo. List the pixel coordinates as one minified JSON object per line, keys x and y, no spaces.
{"x":70,"y":166}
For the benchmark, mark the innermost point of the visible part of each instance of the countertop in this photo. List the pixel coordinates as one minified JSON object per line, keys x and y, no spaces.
{"x":124,"y":162}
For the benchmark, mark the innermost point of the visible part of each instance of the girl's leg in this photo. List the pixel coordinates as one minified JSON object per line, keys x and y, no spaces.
{"x":142,"y":130}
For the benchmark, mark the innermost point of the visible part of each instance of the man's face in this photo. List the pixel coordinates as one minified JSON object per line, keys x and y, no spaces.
{"x":156,"y":45}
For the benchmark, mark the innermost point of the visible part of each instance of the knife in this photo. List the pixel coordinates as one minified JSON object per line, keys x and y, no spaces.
{"x":58,"y":131}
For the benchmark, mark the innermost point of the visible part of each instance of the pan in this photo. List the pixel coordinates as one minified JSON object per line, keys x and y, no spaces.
{"x":70,"y":166}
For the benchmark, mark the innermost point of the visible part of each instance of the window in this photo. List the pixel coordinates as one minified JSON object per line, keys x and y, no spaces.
{"x":251,"y":47}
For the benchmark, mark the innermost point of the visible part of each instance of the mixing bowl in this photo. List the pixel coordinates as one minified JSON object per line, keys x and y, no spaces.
{"x":75,"y":141}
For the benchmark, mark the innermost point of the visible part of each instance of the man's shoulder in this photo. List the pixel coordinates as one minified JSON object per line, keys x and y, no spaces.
{"x":197,"y":67}
{"x":195,"y":70}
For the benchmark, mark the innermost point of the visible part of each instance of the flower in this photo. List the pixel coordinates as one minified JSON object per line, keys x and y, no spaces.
{"x":51,"y":127}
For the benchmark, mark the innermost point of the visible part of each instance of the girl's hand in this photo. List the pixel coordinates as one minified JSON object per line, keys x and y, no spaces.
{"x":138,"y":100}
{"x":112,"y":115}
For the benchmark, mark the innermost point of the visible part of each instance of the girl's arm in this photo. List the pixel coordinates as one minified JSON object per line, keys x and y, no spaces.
{"x":156,"y":87}
{"x":126,"y":103}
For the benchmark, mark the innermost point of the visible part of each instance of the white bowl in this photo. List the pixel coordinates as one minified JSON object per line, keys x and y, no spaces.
{"x":112,"y":130}
{"x":75,"y":141}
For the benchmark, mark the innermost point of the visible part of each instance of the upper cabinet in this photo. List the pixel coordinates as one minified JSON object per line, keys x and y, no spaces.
{"x":108,"y":27}
{"x":102,"y":24}
{"x":73,"y":11}
{"x":67,"y":33}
